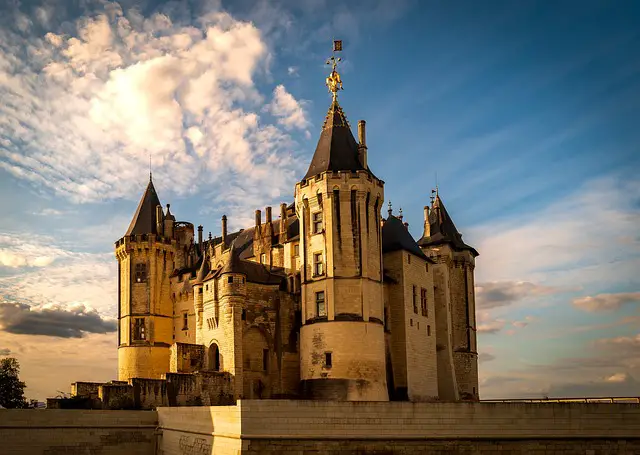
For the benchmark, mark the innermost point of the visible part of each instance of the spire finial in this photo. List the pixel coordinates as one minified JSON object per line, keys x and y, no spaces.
{"x":400,"y":216}
{"x":390,"y":209}
{"x":334,"y":82}
{"x":150,"y":176}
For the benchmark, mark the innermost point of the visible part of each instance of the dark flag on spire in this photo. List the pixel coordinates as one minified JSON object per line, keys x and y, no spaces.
{"x":337,"y":45}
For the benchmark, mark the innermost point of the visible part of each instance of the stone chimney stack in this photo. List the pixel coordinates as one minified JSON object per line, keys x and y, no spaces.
{"x":427,"y":226}
{"x":159,"y":219}
{"x":283,"y":218}
{"x":224,"y":231}
{"x":362,"y":146}
{"x":268,"y":215}
{"x":200,"y":238}
{"x":258,"y":219}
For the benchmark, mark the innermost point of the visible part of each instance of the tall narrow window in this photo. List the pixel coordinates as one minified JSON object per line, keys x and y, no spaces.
{"x":336,"y":210}
{"x":141,"y":273}
{"x":423,"y":302}
{"x":296,"y":249}
{"x":327,"y":360}
{"x":415,"y":300}
{"x":318,"y":266}
{"x":317,"y":222}
{"x":139,"y":329}
{"x":185,"y":321}
{"x":408,"y":259}
{"x":428,"y":330}
{"x":265,"y":360}
{"x":321,"y":309}
{"x":263,"y":258}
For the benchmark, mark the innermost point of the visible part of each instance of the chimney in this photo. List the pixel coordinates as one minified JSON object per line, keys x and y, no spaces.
{"x":427,"y":226}
{"x":200,"y":238}
{"x":283,"y":218}
{"x":159,"y":223}
{"x":268,"y":215}
{"x":362,"y":147}
{"x":258,"y":218}
{"x":224,"y":231}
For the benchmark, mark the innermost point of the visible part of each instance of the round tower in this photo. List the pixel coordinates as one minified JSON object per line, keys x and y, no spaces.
{"x":145,"y":313}
{"x":342,"y":348}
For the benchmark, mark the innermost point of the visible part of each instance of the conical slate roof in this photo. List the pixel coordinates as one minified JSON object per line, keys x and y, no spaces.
{"x":442,"y":230}
{"x":395,"y":236}
{"x":144,"y":220}
{"x":337,"y":149}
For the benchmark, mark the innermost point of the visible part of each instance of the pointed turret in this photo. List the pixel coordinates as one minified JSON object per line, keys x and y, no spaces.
{"x":337,"y":149}
{"x":439,"y":229}
{"x":144,"y":221}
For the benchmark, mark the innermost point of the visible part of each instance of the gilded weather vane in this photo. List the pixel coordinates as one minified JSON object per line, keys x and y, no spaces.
{"x":334,"y":82}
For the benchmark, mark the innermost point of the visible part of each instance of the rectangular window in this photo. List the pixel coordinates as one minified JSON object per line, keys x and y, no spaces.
{"x":229,"y":279}
{"x":423,"y":302}
{"x":138,"y":329}
{"x":415,"y":300}
{"x":317,"y":222}
{"x":265,"y":360}
{"x":318,"y":266}
{"x":296,"y":249}
{"x":429,"y":330}
{"x":263,"y":258}
{"x":141,"y":273}
{"x":408,"y":259}
{"x":321,"y":309}
{"x":185,"y":321}
{"x":327,"y":360}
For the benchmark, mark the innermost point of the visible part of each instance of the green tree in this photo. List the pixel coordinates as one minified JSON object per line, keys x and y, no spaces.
{"x":11,"y":387}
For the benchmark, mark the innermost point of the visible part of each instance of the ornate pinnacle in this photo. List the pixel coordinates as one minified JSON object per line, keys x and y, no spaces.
{"x":334,"y":82}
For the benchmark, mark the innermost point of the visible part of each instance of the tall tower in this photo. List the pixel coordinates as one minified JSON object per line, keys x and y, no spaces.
{"x":342,"y":347}
{"x":455,"y":306}
{"x":145,"y":314}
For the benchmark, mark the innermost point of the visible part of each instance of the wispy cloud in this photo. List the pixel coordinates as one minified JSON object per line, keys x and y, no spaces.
{"x":607,"y":302}
{"x":289,"y":111}
{"x":497,"y":294}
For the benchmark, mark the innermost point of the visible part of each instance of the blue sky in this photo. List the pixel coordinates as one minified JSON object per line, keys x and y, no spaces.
{"x":526,"y":111}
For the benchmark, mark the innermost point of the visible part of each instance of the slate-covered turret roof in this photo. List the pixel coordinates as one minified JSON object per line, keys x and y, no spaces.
{"x":442,"y":230}
{"x":395,"y":236}
{"x":144,"y":220}
{"x":337,"y":149}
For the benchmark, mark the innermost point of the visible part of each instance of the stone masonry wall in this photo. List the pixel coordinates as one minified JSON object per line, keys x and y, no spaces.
{"x":58,"y":432}
{"x":306,"y":427}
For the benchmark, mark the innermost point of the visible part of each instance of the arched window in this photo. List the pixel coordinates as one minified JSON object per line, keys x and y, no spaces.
{"x":214,"y":357}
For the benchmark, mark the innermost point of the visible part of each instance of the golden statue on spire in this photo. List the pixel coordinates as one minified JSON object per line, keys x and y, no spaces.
{"x":334,"y":82}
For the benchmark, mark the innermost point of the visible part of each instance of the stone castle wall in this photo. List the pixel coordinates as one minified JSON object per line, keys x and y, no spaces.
{"x":278,"y":426}
{"x":57,"y":432}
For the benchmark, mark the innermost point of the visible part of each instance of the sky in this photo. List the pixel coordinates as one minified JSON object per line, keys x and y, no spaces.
{"x":525,"y":113}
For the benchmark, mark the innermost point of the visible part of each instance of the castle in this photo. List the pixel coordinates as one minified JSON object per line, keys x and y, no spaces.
{"x":329,"y":301}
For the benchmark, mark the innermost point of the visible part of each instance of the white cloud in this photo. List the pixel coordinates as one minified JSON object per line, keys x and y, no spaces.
{"x":289,"y":111}
{"x":81,"y":115}
{"x":606,"y":302}
{"x":580,"y":240}
{"x":292,"y":71}
{"x":60,"y":277}
{"x":16,"y":253}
